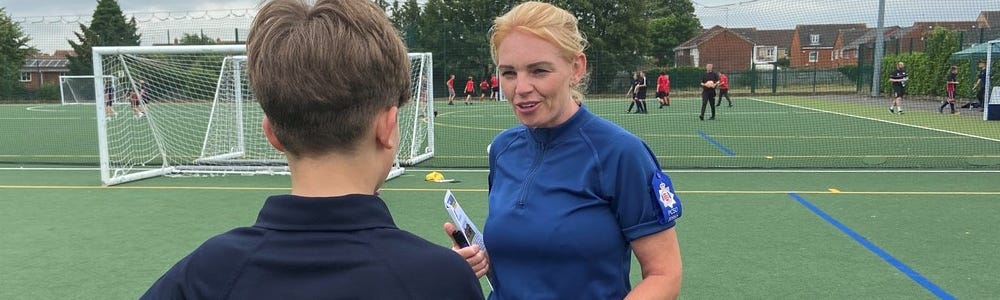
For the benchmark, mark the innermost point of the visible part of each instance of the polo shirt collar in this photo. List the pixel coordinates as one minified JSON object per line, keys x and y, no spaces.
{"x":551,"y":135}
{"x":343,"y":213}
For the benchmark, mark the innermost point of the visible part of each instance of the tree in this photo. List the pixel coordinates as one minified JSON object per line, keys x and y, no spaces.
{"x":108,"y":27}
{"x":406,"y":17}
{"x":673,"y":22}
{"x":196,"y":39}
{"x":618,"y":36}
{"x":13,"y":50}
{"x":940,"y":44}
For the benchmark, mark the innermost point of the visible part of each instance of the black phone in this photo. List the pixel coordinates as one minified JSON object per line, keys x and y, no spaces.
{"x":460,"y":239}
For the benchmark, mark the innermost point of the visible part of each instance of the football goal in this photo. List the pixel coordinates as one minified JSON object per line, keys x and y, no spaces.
{"x":189,"y":110}
{"x":76,"y":89}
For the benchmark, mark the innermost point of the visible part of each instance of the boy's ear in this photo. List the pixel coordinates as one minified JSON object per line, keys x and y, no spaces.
{"x":269,"y":134}
{"x":386,"y":128}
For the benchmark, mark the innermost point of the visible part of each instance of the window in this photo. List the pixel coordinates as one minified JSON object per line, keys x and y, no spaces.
{"x":770,"y":52}
{"x":25,"y":76}
{"x":813,"y":56}
{"x":813,"y":39}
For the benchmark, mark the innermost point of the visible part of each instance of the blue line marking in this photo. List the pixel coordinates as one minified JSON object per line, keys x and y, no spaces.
{"x":930,"y":286}
{"x":717,"y":144}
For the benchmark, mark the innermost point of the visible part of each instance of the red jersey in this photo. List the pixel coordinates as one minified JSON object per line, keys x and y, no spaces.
{"x":723,"y":82}
{"x":451,"y":83}
{"x":483,"y":85}
{"x":493,"y":81}
{"x":469,"y":85}
{"x":663,"y":84}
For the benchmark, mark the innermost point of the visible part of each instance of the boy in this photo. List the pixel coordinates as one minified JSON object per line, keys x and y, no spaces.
{"x":950,"y":88}
{"x":332,"y":237}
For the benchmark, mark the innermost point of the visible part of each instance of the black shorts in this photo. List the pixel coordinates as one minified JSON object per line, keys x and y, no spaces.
{"x":108,"y":103}
{"x":662,"y":94}
{"x":496,"y":89}
{"x":898,"y":91}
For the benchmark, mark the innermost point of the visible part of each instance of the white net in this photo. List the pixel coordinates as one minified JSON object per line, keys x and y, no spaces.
{"x":190,"y":110}
{"x":416,"y":119}
{"x":76,"y":90}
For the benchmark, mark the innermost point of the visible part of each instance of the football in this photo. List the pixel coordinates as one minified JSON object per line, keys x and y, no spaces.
{"x":709,"y":84}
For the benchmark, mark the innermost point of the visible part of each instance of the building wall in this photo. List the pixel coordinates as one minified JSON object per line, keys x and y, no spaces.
{"x":683,"y":58}
{"x":38,"y":77}
{"x":727,"y":51}
{"x":799,"y":58}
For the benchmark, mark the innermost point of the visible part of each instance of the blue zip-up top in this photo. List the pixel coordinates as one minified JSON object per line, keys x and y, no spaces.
{"x":564,"y":203}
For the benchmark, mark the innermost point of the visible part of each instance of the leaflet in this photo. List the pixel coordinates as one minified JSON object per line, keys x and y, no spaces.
{"x":465,"y":226}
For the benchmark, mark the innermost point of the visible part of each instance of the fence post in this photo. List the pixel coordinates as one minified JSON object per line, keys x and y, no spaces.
{"x":961,"y":39}
{"x":774,"y":79}
{"x":858,"y":71}
{"x":814,"y":79}
{"x":753,"y":79}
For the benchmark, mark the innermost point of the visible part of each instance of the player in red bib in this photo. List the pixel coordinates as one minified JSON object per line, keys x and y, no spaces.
{"x":495,"y":83}
{"x":663,"y":89}
{"x":484,"y":88}
{"x":451,"y":89}
{"x":950,"y":87}
{"x":469,"y":89}
{"x":724,"y":89}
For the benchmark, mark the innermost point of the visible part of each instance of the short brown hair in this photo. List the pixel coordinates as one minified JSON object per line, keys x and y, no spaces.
{"x":321,"y":73}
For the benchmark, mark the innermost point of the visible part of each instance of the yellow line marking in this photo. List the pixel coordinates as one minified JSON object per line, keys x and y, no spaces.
{"x":832,"y":190}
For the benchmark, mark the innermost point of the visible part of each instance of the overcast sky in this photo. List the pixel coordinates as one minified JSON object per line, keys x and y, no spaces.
{"x":779,"y":13}
{"x":762,"y":14}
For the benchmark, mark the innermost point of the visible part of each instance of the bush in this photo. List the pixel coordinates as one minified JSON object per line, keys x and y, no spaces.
{"x":680,"y":77}
{"x":48,"y":91}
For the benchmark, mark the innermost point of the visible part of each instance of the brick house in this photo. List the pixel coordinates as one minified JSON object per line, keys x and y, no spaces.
{"x":44,"y":69}
{"x":730,"y":49}
{"x":912,"y":39}
{"x":989,"y":19}
{"x":846,"y":46}
{"x":814,"y":45}
{"x":781,"y":38}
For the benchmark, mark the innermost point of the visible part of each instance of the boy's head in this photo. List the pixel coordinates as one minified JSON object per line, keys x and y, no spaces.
{"x":323,"y":72}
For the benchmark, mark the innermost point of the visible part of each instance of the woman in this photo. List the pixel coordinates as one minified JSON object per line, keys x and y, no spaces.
{"x":571,"y":194}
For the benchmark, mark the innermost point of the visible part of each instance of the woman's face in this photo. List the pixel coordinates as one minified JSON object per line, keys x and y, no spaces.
{"x":538,"y":79}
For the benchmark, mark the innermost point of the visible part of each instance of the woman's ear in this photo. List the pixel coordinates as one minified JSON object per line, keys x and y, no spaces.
{"x":579,"y":68}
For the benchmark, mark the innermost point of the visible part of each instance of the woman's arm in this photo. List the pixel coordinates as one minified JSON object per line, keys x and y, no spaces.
{"x":659,"y":257}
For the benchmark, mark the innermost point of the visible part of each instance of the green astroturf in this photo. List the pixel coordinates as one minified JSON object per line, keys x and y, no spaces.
{"x":741,"y":235}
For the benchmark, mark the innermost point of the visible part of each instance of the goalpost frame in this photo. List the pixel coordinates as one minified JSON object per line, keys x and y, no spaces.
{"x":62,"y":91}
{"x":98,"y":66}
{"x":987,"y":84}
{"x":417,"y":152}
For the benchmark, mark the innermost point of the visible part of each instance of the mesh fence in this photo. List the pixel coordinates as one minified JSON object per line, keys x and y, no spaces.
{"x":808,"y":103}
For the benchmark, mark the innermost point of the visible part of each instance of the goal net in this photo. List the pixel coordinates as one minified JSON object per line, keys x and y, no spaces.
{"x":76,"y":90}
{"x":190,"y":110}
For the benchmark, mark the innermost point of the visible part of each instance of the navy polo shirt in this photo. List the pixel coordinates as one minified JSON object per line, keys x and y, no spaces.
{"x":319,"y":248}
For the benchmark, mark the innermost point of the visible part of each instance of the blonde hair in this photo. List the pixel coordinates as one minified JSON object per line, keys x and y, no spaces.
{"x":546,"y":21}
{"x":321,"y":73}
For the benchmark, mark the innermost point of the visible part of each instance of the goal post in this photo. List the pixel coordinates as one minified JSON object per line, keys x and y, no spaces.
{"x":190,"y":110}
{"x":76,"y":89}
